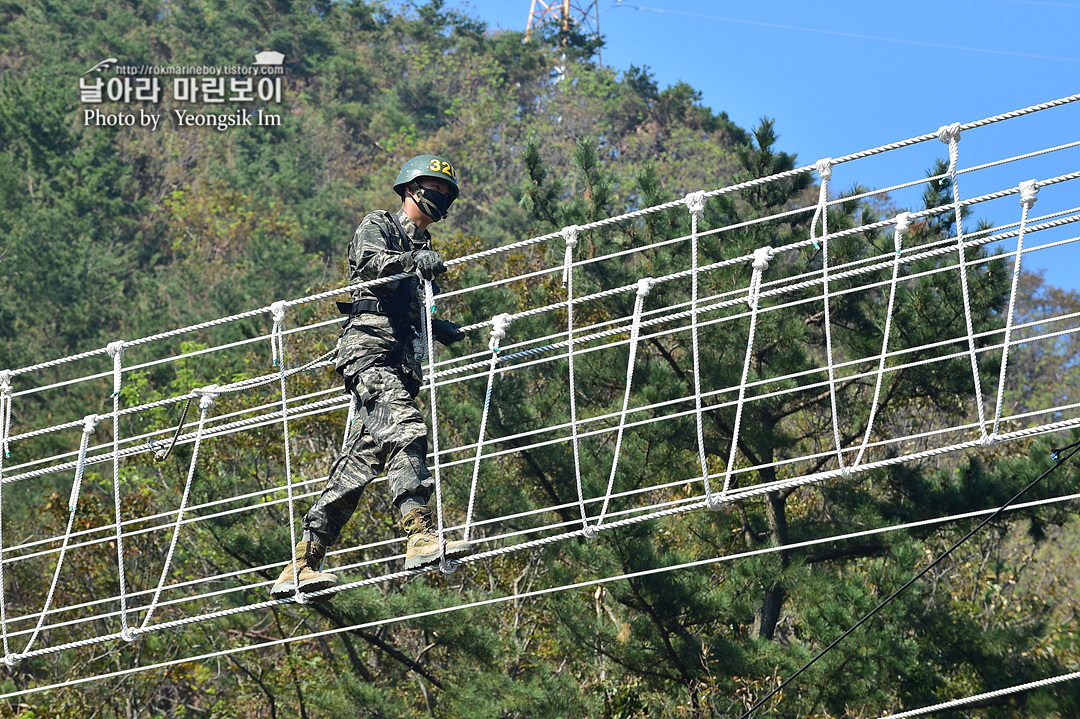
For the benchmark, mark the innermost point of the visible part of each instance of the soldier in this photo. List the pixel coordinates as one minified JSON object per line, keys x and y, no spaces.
{"x":379,"y":355}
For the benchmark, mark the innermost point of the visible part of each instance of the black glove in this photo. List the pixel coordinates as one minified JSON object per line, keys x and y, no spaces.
{"x":428,"y":262}
{"x":447,"y":332}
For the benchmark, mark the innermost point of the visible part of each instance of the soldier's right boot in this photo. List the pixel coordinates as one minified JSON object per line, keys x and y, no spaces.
{"x":309,"y":557}
{"x":422,"y":547}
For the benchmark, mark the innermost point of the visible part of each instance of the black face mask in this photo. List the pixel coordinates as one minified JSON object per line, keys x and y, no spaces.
{"x":431,"y":202}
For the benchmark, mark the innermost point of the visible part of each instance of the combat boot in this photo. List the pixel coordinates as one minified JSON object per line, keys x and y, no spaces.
{"x":309,"y":557}
{"x":422,"y":547}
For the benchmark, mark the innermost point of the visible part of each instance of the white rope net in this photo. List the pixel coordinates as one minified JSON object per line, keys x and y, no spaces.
{"x":680,"y":312}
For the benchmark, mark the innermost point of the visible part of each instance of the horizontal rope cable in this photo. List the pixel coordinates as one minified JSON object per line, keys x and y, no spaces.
{"x":1072,"y":676}
{"x":526,"y":595}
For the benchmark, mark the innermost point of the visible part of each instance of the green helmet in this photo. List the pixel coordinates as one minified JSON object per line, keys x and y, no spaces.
{"x":426,"y":166}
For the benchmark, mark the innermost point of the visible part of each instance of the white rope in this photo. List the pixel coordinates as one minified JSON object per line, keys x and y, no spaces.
{"x":277,"y":344}
{"x":349,"y":419}
{"x":429,"y":308}
{"x":531,"y":544}
{"x":644,"y":286}
{"x":116,"y":351}
{"x":1072,"y":676}
{"x":761,"y":263}
{"x":695,"y":505}
{"x":5,"y":412}
{"x":205,"y":403}
{"x":779,"y":288}
{"x":625,"y":493}
{"x":618,"y":219}
{"x":570,"y":236}
{"x":919,"y":256}
{"x":90,"y":424}
{"x":516,"y":597}
{"x":498,"y":332}
{"x":903,"y":222}
{"x":695,"y":203}
{"x":824,"y":168}
{"x":1029,"y":190}
{"x":950,"y":135}
{"x":5,"y":433}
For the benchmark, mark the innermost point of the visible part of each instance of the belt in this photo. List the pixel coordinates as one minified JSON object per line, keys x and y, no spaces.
{"x":367,"y":305}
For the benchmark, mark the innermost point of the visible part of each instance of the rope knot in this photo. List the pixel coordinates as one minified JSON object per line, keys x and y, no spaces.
{"x":903,"y":223}
{"x":499,"y":323}
{"x":569,"y":235}
{"x":762,"y":255}
{"x":5,"y":380}
{"x":207,"y":395}
{"x":116,"y":349}
{"x":713,"y":503}
{"x":448,"y":567}
{"x":695,"y":202}
{"x":12,"y":660}
{"x":129,"y":634}
{"x":90,"y":423}
{"x":1029,"y":190}
{"x":990,"y":440}
{"x":846,"y":472}
{"x":949,"y":133}
{"x":277,"y":311}
{"x":645,"y":285}
{"x":590,"y":531}
{"x":824,"y":168}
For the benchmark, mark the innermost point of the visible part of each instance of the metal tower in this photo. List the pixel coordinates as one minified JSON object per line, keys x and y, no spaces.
{"x":585,"y":15}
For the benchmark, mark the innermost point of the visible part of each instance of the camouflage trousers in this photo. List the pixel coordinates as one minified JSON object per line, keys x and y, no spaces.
{"x":392,"y":437}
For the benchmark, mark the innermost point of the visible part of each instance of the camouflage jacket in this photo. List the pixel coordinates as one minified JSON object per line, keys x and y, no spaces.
{"x":376,"y":339}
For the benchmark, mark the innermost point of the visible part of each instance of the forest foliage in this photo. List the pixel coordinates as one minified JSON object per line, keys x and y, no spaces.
{"x":113,"y":233}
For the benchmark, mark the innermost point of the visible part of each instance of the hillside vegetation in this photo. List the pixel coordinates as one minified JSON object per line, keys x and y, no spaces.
{"x":117,"y":233}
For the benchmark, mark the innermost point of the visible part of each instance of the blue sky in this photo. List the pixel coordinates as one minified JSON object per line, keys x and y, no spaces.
{"x":841,"y":76}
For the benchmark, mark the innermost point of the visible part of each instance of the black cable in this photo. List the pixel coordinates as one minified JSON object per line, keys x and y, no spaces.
{"x":1055,"y":455}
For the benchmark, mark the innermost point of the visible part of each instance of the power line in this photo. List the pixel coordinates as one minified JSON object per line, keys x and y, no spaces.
{"x":857,"y":36}
{"x":1058,"y":462}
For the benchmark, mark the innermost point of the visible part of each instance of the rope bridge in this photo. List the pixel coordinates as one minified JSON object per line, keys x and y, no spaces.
{"x":593,"y":327}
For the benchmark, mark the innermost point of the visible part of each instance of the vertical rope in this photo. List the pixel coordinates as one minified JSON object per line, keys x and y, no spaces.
{"x":205,"y":403}
{"x":570,"y":237}
{"x":90,"y":423}
{"x":5,"y":390}
{"x":643,"y":287}
{"x":761,"y":263}
{"x":429,"y":308}
{"x":116,"y":351}
{"x":498,"y":332}
{"x":824,"y":168}
{"x":695,"y":203}
{"x":951,"y":134}
{"x":903,"y":221}
{"x":277,"y":343}
{"x":1029,"y":190}
{"x":349,"y":419}
{"x":5,"y":432}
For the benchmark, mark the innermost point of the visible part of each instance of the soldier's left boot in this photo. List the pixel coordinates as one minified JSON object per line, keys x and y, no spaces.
{"x":307,"y":570}
{"x":422,"y":546}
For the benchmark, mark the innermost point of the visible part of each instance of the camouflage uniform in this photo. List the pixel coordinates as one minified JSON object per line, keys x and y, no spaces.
{"x":383,"y":373}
